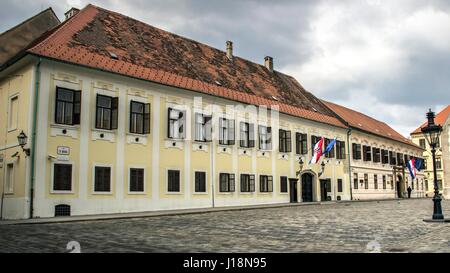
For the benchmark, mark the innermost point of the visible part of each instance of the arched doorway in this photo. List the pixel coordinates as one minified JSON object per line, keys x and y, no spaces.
{"x":307,"y":187}
{"x":399,"y":186}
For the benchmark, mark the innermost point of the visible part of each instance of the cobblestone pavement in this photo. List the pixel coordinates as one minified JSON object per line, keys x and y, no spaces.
{"x":389,"y":226}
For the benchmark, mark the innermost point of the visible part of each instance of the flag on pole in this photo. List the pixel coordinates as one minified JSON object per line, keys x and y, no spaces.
{"x":418,"y":163}
{"x":317,"y":153}
{"x":412,"y":168}
{"x":330,"y":146}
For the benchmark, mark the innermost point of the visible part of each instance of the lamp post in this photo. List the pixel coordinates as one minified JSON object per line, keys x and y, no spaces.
{"x":432,"y":133}
{"x":300,"y":164}
{"x":22,"y":138}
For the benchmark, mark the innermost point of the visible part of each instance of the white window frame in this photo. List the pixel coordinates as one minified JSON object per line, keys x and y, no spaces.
{"x":110,"y":180}
{"x":256,"y":180}
{"x":218,"y":183}
{"x":10,"y":190}
{"x":52,"y":177}
{"x":176,"y":135}
{"x":13,"y":127}
{"x":279,"y":183}
{"x":263,"y":146}
{"x":259,"y":184}
{"x":201,"y":136}
{"x":206,"y":192}
{"x":181,"y":192}
{"x":129,"y":180}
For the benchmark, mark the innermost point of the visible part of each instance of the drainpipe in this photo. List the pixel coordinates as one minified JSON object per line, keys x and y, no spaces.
{"x":349,"y":132}
{"x":33,"y":136}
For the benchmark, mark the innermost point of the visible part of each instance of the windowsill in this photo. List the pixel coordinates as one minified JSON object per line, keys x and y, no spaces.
{"x":112,"y":131}
{"x":137,"y":135}
{"x":174,"y":139}
{"x":174,"y":193}
{"x":200,"y":193}
{"x":61,"y":192}
{"x":65,"y":126}
{"x":284,"y":193}
{"x":9,"y":193}
{"x":265,"y":193}
{"x":102,"y":193}
{"x":12,"y":130}
{"x":137,"y":193}
{"x":226,"y":193}
{"x":247,"y":193}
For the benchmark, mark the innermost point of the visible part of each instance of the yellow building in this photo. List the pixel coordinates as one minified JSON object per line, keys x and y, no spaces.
{"x":378,"y":158}
{"x":124,"y":117}
{"x":155,"y":122}
{"x":442,"y":155}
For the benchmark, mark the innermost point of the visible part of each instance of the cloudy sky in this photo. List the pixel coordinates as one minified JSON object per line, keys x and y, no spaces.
{"x":387,"y":59}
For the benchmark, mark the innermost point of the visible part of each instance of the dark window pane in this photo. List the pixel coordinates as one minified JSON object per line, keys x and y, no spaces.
{"x":62,"y":177}
{"x":136,"y":180}
{"x":102,"y":179}
{"x":200,"y":182}
{"x":173,"y":181}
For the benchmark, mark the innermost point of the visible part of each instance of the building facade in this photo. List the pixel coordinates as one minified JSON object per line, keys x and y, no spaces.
{"x":441,"y":155}
{"x":160,"y":122}
{"x":378,"y":158}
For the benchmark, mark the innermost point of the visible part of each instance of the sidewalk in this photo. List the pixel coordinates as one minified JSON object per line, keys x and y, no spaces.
{"x":131,"y":215}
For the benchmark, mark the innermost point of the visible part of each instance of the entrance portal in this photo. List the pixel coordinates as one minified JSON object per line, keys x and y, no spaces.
{"x":307,"y":187}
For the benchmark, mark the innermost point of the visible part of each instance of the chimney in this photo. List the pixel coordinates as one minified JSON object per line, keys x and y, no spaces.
{"x":230,"y":50}
{"x":268,"y":63}
{"x":71,"y":12}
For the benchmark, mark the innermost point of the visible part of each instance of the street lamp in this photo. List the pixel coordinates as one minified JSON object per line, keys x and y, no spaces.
{"x":432,"y":133}
{"x":300,"y":164}
{"x":22,"y":138}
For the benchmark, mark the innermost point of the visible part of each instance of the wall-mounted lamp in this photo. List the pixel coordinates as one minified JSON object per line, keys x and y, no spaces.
{"x":300,"y":165}
{"x":22,"y":138}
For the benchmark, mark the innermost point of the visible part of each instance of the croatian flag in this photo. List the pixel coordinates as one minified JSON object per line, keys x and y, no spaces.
{"x":317,"y":151}
{"x":412,"y":168}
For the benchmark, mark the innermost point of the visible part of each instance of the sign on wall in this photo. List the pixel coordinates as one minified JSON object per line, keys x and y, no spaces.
{"x":63,"y":150}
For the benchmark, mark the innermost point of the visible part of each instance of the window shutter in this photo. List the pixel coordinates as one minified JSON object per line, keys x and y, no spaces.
{"x":288,"y":142}
{"x":232,"y":182}
{"x":114,"y":112}
{"x":169,"y":133}
{"x":251,"y":135}
{"x":252,"y":183}
{"x":76,"y":108}
{"x":354,"y":151}
{"x":208,"y":128}
{"x":298,"y":143}
{"x":182,"y":128}
{"x":231,"y":132}
{"x":270,"y":183}
{"x":147,"y":118}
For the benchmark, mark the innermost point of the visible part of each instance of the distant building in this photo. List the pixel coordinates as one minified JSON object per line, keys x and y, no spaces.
{"x":15,"y":40}
{"x":446,"y":157}
{"x":442,"y":154}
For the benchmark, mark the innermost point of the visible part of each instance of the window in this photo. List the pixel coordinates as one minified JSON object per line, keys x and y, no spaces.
{"x":247,"y":135}
{"x":107,"y":112}
{"x":203,"y":128}
{"x":139,"y":118}
{"x":439,"y":185}
{"x":247,"y":183}
{"x":68,"y":106}
{"x":391,"y":178}
{"x":340,"y":150}
{"x":422,"y":143}
{"x":176,"y":124}
{"x":62,"y":177}
{"x":376,"y":155}
{"x":355,"y":181}
{"x":384,"y":182}
{"x":200,"y":182}
{"x":375,"y":181}
{"x":136,"y":180}
{"x":102,"y":179}
{"x":366,"y":181}
{"x":340,"y":185}
{"x":226,"y":182}
{"x":356,"y":151}
{"x":438,"y":163}
{"x":13,"y":112}
{"x":425,"y":164}
{"x":285,"y":141}
{"x":393,"y":158}
{"x":265,"y":183}
{"x":400,"y":159}
{"x":9,"y":187}
{"x":384,"y":157}
{"x":283,"y":184}
{"x":173,"y":181}
{"x":226,"y":131}
{"x":367,"y":153}
{"x":330,"y":154}
{"x":265,"y":138}
{"x":426,"y":185}
{"x":301,"y":147}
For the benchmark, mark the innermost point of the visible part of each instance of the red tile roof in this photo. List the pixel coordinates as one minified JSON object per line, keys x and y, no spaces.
{"x":149,"y":53}
{"x":368,"y":124}
{"x":440,"y":119}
